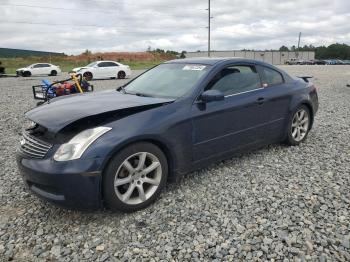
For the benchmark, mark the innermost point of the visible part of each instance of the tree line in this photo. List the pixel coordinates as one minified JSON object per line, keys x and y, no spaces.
{"x":333,"y":51}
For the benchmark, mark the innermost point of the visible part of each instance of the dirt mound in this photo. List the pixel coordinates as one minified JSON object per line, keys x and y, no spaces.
{"x":121,"y":56}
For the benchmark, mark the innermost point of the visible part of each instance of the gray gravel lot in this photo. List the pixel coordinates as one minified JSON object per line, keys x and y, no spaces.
{"x":276,"y":203}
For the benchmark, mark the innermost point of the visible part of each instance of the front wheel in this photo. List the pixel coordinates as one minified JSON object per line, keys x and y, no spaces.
{"x":88,"y":76}
{"x":53,"y":73}
{"x":135,"y":177}
{"x":299,"y":126}
{"x":27,"y":74}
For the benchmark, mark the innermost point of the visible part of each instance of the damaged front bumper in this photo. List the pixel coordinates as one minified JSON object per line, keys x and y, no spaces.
{"x":74,"y":185}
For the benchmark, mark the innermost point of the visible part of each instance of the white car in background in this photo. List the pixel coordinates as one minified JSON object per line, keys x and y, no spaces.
{"x":39,"y":69}
{"x":104,"y":69}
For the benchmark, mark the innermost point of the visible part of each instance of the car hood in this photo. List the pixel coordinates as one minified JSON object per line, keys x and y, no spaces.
{"x":63,"y":111}
{"x":22,"y":69}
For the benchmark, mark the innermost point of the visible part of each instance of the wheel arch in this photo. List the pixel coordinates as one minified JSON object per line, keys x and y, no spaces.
{"x":27,"y":73}
{"x":293,"y":107}
{"x":300,"y":102}
{"x":311,"y":110}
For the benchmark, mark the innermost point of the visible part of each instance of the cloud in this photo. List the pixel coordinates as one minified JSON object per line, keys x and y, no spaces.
{"x":120,"y":25}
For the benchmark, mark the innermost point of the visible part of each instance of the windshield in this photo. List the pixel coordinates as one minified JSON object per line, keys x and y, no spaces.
{"x":167,"y":80}
{"x":91,"y":64}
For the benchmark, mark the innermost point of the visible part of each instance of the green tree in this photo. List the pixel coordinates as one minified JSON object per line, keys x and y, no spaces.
{"x":333,"y":51}
{"x":283,"y":48}
{"x":183,"y":54}
{"x":87,"y":52}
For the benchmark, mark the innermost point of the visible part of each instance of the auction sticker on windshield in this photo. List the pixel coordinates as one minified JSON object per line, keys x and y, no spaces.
{"x":194,"y":67}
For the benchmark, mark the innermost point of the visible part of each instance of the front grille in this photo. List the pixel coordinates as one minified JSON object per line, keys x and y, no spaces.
{"x":33,"y":147}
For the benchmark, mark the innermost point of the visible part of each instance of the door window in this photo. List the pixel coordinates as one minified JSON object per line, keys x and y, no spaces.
{"x":272,"y":77}
{"x":236,"y":79}
{"x":107,"y":64}
{"x":111,"y":64}
{"x":41,"y":65}
{"x":102,"y":64}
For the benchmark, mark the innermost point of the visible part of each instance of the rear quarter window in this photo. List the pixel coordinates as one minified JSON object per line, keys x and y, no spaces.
{"x":272,"y":77}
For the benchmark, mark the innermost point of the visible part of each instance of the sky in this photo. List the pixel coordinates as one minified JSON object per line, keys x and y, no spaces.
{"x":130,"y":25}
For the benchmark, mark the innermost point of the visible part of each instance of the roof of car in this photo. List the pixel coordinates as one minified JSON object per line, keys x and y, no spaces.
{"x":216,"y":60}
{"x":210,"y":60}
{"x":105,"y":61}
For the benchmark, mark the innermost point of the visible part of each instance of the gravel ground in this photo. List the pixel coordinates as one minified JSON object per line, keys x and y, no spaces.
{"x":277,"y":203}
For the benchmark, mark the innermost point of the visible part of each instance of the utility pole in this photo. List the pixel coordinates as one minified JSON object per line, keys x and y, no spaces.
{"x":298,"y":45}
{"x":209,"y":22}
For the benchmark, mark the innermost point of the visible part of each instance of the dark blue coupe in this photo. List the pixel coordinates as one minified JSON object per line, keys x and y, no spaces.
{"x":119,"y":148}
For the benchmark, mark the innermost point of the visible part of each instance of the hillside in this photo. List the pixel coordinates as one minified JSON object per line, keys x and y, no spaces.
{"x":10,"y":52}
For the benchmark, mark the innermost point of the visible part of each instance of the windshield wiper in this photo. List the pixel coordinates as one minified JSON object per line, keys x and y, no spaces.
{"x":122,"y":88}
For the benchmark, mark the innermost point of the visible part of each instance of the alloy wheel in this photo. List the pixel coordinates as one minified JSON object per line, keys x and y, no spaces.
{"x":138,"y":178}
{"x":300,"y":125}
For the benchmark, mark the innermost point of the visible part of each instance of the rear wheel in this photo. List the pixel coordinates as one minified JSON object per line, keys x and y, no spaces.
{"x":88,"y":76}
{"x":135,"y":177}
{"x":121,"y":75}
{"x":299,"y":126}
{"x":53,"y":73}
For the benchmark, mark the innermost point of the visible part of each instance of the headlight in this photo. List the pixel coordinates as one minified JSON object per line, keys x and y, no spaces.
{"x":29,"y":125}
{"x":75,"y":148}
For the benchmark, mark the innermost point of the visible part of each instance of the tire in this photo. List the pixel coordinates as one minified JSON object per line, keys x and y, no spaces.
{"x":88,"y":76}
{"x":124,"y":179}
{"x":53,"y":73}
{"x":27,"y":74}
{"x":121,"y":75}
{"x":299,"y":126}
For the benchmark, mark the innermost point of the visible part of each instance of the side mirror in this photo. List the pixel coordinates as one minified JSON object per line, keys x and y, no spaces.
{"x":211,"y":96}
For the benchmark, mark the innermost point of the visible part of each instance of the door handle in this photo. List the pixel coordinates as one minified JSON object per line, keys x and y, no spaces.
{"x":260,"y":100}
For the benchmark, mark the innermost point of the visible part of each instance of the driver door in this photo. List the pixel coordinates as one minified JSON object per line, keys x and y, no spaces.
{"x":234,"y":123}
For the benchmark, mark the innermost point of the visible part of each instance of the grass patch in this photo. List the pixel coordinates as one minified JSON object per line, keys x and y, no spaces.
{"x":11,"y":64}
